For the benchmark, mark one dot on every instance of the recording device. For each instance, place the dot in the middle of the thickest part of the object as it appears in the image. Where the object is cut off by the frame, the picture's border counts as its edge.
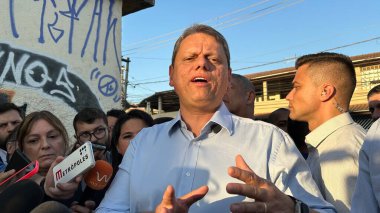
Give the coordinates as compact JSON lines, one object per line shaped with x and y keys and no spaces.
{"x":18,"y":161}
{"x":98,"y":146}
{"x":78,"y":162}
{"x":96,"y":180}
{"x":24,"y":173}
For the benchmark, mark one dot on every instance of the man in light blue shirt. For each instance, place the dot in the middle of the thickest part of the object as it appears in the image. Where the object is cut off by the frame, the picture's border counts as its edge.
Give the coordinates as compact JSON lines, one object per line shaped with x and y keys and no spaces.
{"x":195,"y":152}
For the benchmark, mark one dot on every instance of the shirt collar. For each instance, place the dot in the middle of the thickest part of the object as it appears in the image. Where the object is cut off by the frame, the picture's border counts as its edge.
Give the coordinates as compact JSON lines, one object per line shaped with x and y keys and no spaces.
{"x":221,"y":117}
{"x":317,"y":136}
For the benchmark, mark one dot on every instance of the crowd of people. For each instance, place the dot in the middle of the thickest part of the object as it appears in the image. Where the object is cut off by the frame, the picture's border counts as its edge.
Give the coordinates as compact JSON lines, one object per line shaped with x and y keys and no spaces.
{"x":213,"y":156}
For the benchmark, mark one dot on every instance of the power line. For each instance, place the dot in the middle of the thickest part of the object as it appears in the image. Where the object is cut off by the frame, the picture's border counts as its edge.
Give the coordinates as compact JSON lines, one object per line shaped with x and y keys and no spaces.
{"x":293,"y":58}
{"x":231,"y":22}
{"x":209,"y":20}
{"x":268,"y":63}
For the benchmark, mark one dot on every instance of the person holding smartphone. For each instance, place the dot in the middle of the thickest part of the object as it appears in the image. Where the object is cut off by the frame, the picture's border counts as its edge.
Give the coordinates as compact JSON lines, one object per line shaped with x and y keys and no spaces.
{"x":90,"y":124}
{"x":43,"y":137}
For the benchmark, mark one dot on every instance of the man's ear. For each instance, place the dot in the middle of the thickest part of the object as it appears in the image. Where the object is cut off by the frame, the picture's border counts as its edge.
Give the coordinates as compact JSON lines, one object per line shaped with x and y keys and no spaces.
{"x":171,"y":71}
{"x":251,"y":97}
{"x":327,"y":92}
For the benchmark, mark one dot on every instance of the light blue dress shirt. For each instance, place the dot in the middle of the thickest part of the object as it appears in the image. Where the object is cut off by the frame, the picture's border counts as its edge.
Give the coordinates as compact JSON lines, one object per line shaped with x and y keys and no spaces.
{"x":366,"y":196}
{"x":169,"y":154}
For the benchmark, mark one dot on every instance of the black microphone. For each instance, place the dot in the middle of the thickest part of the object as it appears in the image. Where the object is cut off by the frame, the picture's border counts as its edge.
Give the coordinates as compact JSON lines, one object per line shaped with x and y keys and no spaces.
{"x":22,"y":196}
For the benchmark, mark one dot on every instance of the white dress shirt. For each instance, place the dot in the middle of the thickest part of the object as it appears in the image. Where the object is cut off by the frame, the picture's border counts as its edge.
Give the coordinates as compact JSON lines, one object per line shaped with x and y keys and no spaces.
{"x":338,"y":141}
{"x":366,"y":197}
{"x":169,"y":154}
{"x":315,"y":167}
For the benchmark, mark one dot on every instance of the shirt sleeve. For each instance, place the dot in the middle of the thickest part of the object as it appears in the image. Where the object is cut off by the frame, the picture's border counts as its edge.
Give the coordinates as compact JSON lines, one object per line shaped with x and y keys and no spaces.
{"x":117,"y":197}
{"x":367,"y":189}
{"x":291,"y":174}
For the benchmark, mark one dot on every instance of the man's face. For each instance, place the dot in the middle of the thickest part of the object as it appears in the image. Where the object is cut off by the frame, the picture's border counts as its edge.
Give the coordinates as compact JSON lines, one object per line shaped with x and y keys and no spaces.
{"x":94,"y":132}
{"x":200,"y":73}
{"x":281,"y":120}
{"x":8,"y":122}
{"x":303,"y":98}
{"x":235,"y":98}
{"x":374,"y":105}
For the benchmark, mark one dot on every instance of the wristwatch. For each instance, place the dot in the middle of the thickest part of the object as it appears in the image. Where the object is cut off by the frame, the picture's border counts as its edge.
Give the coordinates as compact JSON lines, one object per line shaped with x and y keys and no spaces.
{"x":299,"y":206}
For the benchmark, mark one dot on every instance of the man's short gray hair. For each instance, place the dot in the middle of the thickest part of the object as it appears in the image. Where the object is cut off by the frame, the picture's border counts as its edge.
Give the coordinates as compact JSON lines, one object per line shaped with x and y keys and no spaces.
{"x":201,"y":28}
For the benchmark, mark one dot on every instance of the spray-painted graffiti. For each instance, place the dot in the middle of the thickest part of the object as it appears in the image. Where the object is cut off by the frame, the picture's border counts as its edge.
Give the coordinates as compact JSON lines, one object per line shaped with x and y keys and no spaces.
{"x":70,"y":10}
{"x":107,"y":84}
{"x":37,"y":71}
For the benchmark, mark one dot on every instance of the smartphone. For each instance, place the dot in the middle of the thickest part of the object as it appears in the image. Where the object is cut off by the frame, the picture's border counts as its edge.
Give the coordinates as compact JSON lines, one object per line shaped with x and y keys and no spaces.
{"x":98,"y":146}
{"x":18,"y":161}
{"x":78,"y":162}
{"x":24,"y":173}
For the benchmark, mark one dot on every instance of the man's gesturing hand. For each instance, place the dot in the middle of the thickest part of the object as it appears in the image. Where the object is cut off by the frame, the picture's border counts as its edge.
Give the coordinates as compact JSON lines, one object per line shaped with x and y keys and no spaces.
{"x":171,"y":204}
{"x":267,"y":197}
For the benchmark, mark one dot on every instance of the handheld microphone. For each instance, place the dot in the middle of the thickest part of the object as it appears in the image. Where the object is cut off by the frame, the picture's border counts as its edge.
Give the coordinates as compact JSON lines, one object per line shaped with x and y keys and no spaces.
{"x":96,"y":180}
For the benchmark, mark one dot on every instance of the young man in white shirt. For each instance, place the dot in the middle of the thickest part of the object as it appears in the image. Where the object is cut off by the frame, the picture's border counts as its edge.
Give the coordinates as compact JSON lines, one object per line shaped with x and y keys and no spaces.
{"x":321,"y":94}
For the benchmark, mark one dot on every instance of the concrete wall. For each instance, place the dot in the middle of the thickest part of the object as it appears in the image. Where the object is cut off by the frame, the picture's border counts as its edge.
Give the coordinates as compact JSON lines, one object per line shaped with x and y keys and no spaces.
{"x":61,"y":55}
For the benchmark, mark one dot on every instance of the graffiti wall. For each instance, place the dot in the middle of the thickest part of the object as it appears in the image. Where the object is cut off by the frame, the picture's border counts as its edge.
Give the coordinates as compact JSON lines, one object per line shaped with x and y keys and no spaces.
{"x":60,"y":56}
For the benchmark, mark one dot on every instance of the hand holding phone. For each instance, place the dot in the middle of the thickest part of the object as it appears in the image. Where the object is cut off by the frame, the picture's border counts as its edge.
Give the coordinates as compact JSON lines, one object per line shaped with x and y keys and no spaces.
{"x":25,"y":173}
{"x":78,"y":162}
{"x":18,"y":161}
{"x":61,"y":191}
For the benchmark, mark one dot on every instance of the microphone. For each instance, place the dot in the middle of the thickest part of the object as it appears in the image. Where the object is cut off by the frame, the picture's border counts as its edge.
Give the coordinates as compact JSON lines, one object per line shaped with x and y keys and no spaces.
{"x":22,"y":196}
{"x":96,"y":180}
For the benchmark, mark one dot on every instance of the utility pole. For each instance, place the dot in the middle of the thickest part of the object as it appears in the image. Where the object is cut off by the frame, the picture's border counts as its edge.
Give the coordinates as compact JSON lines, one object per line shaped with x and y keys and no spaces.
{"x":125,"y":74}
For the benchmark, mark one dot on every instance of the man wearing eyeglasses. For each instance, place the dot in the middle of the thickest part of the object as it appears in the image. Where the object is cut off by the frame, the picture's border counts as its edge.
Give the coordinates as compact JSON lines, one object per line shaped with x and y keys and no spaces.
{"x":90,"y":124}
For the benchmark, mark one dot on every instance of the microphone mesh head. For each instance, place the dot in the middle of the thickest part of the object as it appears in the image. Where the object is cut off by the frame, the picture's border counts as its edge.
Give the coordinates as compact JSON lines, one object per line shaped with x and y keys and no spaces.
{"x":97,"y":178}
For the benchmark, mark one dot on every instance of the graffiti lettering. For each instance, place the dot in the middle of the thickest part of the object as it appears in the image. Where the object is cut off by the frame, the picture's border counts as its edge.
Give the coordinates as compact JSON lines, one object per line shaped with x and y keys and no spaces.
{"x":111,"y":25}
{"x":12,"y":17}
{"x":65,"y":82}
{"x":73,"y":14}
{"x":37,"y":71}
{"x":31,"y":69}
{"x":55,"y":32}
{"x":73,"y":11}
{"x":96,"y":12}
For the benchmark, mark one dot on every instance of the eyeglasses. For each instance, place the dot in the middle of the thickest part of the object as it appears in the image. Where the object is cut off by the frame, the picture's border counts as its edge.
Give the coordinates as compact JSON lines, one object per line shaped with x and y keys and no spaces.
{"x":98,"y":133}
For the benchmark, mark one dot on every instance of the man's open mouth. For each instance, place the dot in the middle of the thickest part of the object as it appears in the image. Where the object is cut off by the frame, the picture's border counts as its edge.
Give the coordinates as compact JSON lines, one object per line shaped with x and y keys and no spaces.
{"x":199,"y":79}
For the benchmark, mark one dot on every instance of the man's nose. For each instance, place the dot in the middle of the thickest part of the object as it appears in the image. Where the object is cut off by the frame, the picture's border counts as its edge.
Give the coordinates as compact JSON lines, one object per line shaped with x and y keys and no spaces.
{"x":203,"y":63}
{"x":289,"y":96}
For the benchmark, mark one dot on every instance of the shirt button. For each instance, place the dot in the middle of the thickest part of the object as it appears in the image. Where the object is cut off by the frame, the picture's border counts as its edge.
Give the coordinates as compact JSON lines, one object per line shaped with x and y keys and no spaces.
{"x":187,"y":174}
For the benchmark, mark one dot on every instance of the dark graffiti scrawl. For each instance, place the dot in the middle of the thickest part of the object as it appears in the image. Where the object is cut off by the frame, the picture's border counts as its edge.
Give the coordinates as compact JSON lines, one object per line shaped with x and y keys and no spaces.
{"x":37,"y":71}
